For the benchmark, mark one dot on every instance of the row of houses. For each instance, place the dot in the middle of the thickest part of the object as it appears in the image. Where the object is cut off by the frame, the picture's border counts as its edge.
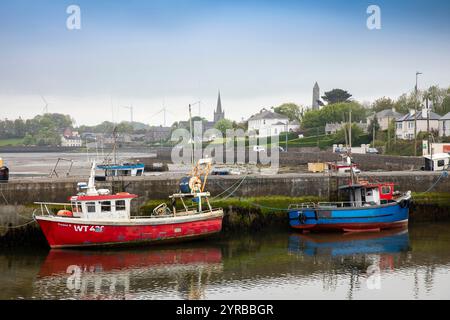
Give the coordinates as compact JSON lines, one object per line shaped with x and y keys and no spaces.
{"x":71,"y":138}
{"x":425,"y":120}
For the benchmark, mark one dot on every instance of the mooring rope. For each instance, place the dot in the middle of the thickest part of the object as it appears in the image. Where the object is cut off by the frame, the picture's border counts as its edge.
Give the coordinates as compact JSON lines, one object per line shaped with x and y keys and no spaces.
{"x":444,"y":174}
{"x":225,"y":190}
{"x":4,"y":198}
{"x":20,"y":225}
{"x":257,"y":205}
{"x":236,"y":189}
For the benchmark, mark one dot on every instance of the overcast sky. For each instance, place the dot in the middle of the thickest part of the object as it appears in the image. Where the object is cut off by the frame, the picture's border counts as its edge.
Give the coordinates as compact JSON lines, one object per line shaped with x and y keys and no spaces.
{"x":151,"y":54}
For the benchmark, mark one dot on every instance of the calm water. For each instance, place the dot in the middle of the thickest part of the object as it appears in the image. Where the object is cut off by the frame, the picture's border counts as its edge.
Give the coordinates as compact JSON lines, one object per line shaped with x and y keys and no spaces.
{"x":402,"y":264}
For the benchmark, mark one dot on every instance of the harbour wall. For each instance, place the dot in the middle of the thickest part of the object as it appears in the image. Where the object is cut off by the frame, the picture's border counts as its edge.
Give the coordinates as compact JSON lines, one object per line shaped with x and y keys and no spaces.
{"x":17,"y":197}
{"x":303,"y":156}
{"x":26,"y":192}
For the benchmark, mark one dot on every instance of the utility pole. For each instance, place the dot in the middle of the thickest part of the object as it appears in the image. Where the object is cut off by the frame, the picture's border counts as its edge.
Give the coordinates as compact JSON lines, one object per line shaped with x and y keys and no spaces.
{"x":428,"y":124}
{"x":389,"y":133}
{"x":350,"y":129}
{"x":373,"y":135}
{"x":415,"y":115}
{"x":287,"y":131}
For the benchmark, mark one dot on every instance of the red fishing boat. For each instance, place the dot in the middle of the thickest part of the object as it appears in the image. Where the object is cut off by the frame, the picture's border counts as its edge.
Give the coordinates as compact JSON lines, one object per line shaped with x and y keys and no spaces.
{"x":97,"y":217}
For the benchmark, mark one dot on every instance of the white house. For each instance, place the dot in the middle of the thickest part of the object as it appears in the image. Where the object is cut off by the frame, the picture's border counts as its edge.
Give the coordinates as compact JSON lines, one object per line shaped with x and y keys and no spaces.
{"x":444,"y":126}
{"x":405,"y":125}
{"x":384,"y":117}
{"x":71,"y":141}
{"x":267,"y":123}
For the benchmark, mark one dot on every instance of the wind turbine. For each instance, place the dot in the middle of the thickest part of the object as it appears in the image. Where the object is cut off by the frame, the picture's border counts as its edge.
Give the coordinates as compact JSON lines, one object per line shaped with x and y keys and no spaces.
{"x":164,"y":111}
{"x":45,"y":110}
{"x":131,"y":111}
{"x":199,"y":107}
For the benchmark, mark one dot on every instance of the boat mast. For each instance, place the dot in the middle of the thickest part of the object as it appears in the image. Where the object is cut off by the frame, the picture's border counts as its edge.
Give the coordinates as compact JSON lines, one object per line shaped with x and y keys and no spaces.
{"x":91,"y":190}
{"x":191,"y":140}
{"x":349,"y":150}
{"x":114,"y":146}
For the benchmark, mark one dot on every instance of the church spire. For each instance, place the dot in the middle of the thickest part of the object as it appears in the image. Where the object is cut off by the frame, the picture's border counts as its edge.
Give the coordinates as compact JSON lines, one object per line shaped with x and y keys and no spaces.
{"x":219,"y":104}
{"x":219,"y":114}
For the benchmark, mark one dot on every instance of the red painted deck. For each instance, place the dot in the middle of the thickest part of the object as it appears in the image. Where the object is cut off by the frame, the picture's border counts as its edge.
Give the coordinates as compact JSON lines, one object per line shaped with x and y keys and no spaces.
{"x":73,"y":234}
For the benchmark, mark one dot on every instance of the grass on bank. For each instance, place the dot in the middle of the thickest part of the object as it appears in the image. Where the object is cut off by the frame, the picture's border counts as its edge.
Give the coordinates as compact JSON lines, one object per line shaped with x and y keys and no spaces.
{"x":11,"y":142}
{"x":441,"y":199}
{"x":270,"y":204}
{"x":264,"y":204}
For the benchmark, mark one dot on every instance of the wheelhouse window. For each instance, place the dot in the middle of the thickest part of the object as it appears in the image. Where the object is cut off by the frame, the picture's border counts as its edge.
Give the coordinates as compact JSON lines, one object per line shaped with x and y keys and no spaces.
{"x":385,"y":190}
{"x":90,"y":206}
{"x":76,"y":207}
{"x":120,"y":205}
{"x":106,"y":206}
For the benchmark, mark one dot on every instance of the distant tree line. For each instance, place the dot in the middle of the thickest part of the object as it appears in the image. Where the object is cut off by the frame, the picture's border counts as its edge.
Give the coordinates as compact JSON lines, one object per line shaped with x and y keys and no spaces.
{"x":41,"y":130}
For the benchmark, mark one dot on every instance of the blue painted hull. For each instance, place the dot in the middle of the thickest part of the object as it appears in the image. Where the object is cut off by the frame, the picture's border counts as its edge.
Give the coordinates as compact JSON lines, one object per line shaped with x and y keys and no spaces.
{"x":350,"y":219}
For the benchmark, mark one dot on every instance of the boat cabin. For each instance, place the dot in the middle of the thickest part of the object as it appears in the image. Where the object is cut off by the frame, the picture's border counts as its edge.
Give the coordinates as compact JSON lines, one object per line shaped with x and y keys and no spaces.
{"x":126,"y":169}
{"x":368,"y":194}
{"x":101,"y":207}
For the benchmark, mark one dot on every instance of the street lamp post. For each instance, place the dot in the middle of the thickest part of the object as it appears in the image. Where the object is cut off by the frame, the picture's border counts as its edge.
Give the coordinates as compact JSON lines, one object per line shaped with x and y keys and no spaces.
{"x":286,"y":135}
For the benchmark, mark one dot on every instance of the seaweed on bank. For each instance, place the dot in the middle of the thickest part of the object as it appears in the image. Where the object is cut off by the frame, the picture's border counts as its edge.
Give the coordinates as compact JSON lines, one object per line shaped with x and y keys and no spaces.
{"x":250,"y":214}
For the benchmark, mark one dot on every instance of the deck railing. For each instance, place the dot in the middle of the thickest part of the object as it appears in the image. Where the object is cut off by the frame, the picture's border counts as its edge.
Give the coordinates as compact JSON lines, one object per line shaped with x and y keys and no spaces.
{"x":333,"y":204}
{"x":45,"y":210}
{"x":304,"y":205}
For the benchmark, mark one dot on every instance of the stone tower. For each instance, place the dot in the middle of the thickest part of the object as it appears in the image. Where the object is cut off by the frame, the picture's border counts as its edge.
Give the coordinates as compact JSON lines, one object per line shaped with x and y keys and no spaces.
{"x":316,"y":97}
{"x":219,"y":114}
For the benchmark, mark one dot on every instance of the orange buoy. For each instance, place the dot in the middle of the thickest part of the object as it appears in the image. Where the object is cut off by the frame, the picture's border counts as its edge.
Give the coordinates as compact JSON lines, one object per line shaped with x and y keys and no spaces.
{"x":64,"y":213}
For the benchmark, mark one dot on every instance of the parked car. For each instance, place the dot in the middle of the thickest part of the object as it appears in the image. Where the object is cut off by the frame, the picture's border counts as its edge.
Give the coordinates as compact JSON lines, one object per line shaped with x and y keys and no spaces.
{"x":258,"y":148}
{"x":341,"y":150}
{"x":373,"y":151}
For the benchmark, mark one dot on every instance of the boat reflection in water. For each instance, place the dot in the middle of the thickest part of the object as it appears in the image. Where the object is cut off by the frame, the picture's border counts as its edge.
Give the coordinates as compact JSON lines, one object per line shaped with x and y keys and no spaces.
{"x":139,"y":274}
{"x":335,"y":244}
{"x":362,"y":256}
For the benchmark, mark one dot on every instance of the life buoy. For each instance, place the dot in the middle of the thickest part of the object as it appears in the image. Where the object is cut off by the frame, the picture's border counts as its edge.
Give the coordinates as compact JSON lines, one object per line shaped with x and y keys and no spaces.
{"x":195,"y":184}
{"x":64,"y":213}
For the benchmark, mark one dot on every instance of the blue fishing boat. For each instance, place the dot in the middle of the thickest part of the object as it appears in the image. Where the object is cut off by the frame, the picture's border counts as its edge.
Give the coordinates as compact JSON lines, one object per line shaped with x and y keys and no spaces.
{"x":125,"y":169}
{"x":367,"y":207}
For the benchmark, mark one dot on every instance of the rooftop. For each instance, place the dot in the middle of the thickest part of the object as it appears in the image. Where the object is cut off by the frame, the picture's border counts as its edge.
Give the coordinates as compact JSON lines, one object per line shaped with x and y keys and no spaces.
{"x":388,"y":113}
{"x":445,"y":117}
{"x":418,"y":116}
{"x":266,"y":114}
